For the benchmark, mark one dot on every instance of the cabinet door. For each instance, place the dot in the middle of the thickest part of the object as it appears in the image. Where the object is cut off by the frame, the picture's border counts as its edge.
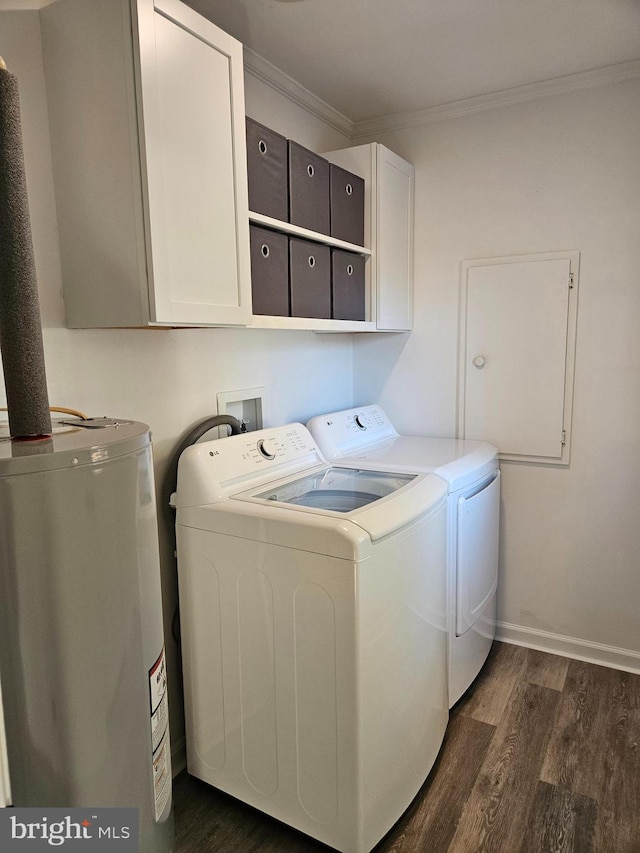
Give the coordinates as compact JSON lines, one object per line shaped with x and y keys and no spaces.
{"x":394,"y":242}
{"x":194,"y":151}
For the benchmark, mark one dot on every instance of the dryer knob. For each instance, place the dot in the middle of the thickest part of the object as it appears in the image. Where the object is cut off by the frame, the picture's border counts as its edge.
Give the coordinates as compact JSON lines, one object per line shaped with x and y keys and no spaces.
{"x":359,"y":422}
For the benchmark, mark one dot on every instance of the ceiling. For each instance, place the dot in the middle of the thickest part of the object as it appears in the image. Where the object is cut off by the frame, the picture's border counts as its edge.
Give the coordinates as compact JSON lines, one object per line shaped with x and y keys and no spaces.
{"x":373,"y":58}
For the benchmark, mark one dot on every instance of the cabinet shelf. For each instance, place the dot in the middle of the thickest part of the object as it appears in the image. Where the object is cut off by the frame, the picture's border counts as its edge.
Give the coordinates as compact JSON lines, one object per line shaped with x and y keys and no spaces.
{"x":305,"y":233}
{"x":313,"y":324}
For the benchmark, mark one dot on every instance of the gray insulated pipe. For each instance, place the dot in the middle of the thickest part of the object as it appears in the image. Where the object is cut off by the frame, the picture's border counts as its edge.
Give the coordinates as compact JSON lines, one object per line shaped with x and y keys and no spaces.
{"x":20,"y":328}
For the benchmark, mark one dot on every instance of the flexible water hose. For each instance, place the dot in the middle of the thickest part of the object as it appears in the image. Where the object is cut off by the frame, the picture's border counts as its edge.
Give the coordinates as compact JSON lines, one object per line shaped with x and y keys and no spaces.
{"x":170,"y":482}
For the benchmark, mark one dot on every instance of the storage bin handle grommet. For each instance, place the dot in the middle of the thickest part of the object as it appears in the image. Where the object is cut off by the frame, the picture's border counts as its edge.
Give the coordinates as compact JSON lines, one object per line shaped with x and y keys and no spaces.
{"x":311,"y":170}
{"x":349,"y":269}
{"x":349,"y":189}
{"x":265,"y":250}
{"x":262,"y":146}
{"x":312,"y":261}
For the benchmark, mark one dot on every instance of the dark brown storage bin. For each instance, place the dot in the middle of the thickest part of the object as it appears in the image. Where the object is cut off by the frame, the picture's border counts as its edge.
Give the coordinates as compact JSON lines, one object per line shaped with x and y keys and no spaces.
{"x":267,"y":171}
{"x":310,"y":278}
{"x":346,"y":194}
{"x":347,"y":285}
{"x":308,"y":189}
{"x":269,"y":272}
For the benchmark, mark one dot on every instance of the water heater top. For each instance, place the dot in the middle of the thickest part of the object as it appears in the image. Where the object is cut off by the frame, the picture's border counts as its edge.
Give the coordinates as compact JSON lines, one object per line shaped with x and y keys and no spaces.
{"x":74,"y":442}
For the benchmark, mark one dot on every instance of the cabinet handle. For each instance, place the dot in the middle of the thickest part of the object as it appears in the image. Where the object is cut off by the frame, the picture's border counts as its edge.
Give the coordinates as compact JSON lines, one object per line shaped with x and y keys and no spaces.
{"x":479,"y":362}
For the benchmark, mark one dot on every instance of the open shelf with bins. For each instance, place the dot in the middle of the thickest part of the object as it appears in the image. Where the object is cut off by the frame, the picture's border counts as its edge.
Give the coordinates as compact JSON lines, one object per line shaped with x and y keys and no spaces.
{"x":266,"y":321}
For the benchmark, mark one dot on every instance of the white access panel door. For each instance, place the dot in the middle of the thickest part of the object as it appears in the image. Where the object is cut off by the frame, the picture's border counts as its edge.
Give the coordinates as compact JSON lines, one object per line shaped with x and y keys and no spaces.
{"x":193,"y":111}
{"x":516,"y":354}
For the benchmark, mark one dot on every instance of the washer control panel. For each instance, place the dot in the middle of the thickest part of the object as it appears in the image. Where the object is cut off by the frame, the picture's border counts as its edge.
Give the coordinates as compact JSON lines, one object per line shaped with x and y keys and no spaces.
{"x":211,"y":470}
{"x":266,"y":447}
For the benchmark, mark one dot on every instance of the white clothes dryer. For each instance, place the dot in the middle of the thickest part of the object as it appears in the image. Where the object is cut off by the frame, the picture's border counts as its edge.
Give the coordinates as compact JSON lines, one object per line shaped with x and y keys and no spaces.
{"x":365,"y":438}
{"x":313,"y":621}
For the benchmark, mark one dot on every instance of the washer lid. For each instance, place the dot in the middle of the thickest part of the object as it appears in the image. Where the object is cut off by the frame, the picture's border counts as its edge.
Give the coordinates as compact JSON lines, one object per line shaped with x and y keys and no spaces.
{"x":326,"y":523}
{"x":337,"y":489}
{"x":378,"y":503}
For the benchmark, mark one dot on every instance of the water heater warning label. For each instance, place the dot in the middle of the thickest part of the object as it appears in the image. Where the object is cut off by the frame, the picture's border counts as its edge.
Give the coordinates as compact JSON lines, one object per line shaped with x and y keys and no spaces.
{"x":160,"y":733}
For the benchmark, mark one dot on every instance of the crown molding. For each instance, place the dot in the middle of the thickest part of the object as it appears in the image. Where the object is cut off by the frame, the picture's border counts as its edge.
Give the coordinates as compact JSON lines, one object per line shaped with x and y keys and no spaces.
{"x":287,"y":86}
{"x":497,"y":100}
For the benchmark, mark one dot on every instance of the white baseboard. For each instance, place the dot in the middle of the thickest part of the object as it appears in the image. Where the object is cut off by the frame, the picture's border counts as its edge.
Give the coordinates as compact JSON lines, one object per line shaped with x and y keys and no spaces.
{"x":570,"y":647}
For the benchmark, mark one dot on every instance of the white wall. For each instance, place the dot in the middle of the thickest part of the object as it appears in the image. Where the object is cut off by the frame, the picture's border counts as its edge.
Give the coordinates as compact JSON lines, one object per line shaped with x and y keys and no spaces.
{"x":166,"y":378}
{"x":561,"y":173}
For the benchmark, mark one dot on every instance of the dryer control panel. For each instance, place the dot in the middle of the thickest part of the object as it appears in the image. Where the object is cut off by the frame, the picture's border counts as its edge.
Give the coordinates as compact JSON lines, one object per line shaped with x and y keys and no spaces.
{"x":340,"y":433}
{"x":212,"y":470}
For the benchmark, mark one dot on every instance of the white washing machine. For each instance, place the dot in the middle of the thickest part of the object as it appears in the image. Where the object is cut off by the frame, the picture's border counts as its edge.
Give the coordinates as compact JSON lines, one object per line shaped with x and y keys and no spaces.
{"x":313,"y":621}
{"x":365,"y":437}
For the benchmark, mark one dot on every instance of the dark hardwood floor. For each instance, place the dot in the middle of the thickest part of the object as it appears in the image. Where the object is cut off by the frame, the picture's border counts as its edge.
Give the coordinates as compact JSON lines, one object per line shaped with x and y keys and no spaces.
{"x":542,"y":755}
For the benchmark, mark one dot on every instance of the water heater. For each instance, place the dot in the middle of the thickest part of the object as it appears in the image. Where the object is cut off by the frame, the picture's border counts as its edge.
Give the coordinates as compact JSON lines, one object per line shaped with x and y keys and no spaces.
{"x":82,"y":663}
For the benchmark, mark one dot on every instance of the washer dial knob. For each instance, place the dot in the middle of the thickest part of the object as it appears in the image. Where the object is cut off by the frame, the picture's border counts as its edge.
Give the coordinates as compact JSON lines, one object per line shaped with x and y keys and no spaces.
{"x":359,"y":424}
{"x":265,"y":450}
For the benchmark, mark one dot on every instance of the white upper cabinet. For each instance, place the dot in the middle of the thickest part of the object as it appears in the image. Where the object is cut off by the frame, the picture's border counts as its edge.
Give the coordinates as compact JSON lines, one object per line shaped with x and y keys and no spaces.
{"x":388,"y":226}
{"x":146,"y":103}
